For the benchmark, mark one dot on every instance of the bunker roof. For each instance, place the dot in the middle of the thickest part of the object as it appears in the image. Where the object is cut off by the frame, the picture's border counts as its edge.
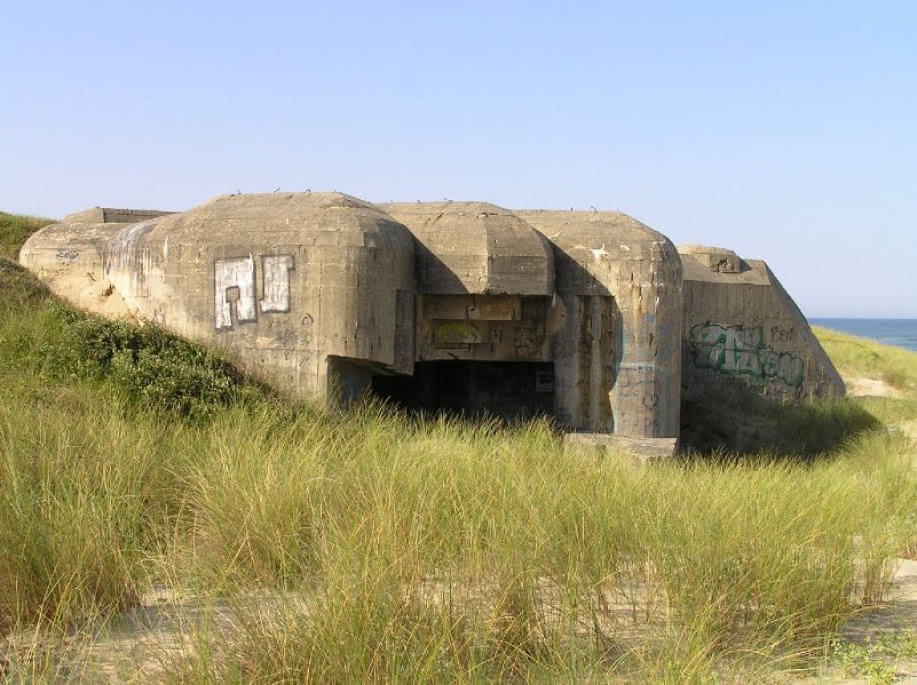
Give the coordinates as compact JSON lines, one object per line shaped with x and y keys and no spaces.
{"x":476,"y":247}
{"x":295,"y":218}
{"x":719,"y":265}
{"x":112,"y":215}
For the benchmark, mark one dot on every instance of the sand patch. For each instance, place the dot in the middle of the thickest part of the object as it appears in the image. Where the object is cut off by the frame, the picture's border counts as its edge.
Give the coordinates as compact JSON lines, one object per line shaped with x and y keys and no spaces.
{"x":90,"y":293}
{"x":155,"y":639}
{"x":909,"y":428}
{"x":897,"y":615}
{"x":862,"y":386}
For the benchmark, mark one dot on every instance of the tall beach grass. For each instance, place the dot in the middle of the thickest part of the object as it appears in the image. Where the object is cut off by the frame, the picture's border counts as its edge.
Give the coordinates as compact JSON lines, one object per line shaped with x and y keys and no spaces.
{"x":370,"y":546}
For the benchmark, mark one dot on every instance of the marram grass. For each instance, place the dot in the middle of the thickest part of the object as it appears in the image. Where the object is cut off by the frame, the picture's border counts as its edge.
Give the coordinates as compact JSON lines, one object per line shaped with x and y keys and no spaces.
{"x":367,"y":546}
{"x":439,"y":550}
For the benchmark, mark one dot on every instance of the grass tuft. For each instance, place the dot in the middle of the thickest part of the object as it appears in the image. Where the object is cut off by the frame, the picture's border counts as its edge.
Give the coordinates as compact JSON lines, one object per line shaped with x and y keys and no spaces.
{"x":14,"y":229}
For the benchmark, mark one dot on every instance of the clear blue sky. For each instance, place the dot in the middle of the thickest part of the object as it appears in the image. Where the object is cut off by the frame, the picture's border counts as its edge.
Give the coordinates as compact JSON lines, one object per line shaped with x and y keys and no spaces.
{"x":783,"y":130}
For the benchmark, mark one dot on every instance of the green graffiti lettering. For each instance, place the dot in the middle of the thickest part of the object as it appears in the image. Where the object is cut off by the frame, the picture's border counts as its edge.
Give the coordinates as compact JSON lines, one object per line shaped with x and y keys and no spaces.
{"x":736,"y":350}
{"x":456,"y":332}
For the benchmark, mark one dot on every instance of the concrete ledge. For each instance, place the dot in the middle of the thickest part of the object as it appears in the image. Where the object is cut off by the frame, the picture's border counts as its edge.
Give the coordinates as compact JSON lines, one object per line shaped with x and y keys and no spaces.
{"x":111,"y":215}
{"x":642,"y":449}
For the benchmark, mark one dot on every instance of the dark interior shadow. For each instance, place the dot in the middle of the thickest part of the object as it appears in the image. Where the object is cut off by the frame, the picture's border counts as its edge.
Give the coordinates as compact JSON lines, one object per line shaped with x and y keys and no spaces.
{"x":506,"y":391}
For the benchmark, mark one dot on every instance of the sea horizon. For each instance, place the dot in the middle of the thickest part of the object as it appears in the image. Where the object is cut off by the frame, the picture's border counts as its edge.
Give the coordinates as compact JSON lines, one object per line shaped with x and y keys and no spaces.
{"x":895,"y":331}
{"x":862,"y":318}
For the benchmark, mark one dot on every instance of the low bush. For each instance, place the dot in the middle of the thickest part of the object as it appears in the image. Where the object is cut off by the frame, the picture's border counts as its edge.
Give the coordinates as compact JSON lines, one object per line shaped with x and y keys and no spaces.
{"x":154,"y":368}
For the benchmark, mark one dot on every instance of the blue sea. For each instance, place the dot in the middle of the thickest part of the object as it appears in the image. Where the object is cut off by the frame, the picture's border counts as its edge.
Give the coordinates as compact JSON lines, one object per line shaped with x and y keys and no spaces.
{"x":897,"y":332}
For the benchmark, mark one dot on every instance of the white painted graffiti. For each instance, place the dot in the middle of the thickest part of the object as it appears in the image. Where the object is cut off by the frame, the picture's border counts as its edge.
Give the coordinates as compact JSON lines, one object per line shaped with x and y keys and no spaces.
{"x":276,"y":270}
{"x":234,"y":284}
{"x":736,"y":350}
{"x":234,"y":275}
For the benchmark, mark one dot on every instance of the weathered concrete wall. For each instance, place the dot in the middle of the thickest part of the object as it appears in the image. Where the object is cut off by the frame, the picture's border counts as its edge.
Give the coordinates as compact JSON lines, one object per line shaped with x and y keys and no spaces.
{"x":597,"y":293}
{"x":67,"y":248}
{"x":67,"y":256}
{"x":282,"y":282}
{"x":484,"y":278}
{"x":592,"y":314}
{"x":484,"y":328}
{"x":617,"y":352}
{"x":485,"y":314}
{"x":744,"y":339}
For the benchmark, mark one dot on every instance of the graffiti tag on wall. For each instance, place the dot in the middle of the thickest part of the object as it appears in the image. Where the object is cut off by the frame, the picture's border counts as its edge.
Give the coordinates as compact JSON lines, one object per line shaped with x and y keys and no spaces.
{"x":234,"y":284}
{"x":736,"y":350}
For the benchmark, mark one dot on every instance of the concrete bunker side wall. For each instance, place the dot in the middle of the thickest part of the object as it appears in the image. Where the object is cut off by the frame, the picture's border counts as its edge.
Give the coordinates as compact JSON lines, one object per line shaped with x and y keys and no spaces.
{"x":281,"y":283}
{"x":746,"y":346}
{"x":742,"y":327}
{"x":617,"y":353}
{"x":69,"y":257}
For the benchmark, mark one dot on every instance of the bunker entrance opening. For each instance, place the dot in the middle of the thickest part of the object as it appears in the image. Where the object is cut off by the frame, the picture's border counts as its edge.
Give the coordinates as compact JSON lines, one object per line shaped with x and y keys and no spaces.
{"x":507,"y":390}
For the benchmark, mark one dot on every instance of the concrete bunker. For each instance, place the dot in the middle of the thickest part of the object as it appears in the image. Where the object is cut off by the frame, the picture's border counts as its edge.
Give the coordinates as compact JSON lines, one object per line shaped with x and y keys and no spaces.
{"x":591,"y":318}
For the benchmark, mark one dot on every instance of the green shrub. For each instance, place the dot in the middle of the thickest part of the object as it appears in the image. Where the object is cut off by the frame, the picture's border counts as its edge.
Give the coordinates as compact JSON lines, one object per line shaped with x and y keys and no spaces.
{"x":154,"y":368}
